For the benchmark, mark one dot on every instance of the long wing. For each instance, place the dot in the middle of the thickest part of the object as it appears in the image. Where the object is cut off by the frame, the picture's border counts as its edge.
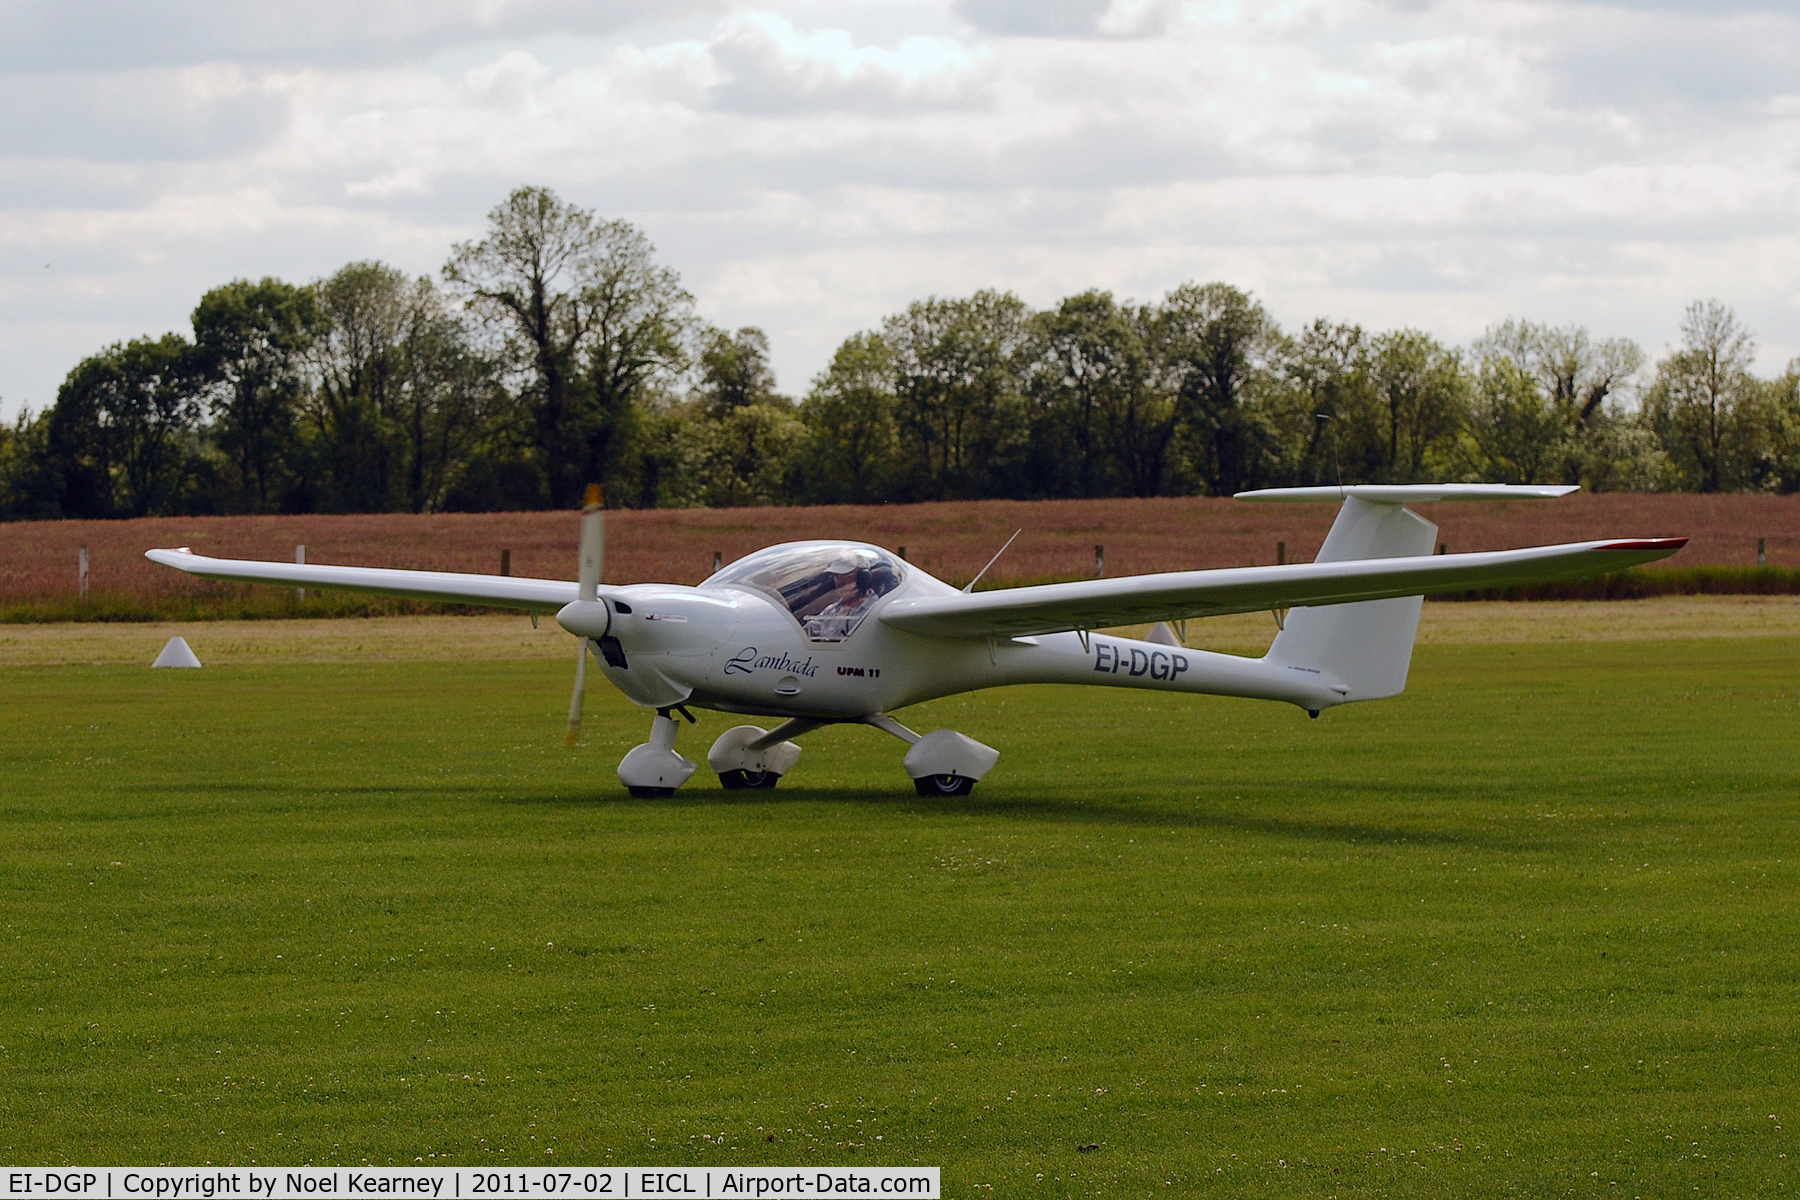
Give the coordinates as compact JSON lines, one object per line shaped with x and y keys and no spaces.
{"x":1138,"y":599}
{"x":505,"y":591}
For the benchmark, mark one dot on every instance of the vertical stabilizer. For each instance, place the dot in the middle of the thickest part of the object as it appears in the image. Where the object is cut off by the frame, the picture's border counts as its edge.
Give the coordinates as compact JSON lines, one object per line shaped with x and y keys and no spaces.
{"x":1363,"y":648}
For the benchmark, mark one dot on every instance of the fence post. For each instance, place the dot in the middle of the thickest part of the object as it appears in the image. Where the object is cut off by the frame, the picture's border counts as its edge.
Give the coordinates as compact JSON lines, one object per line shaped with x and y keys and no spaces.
{"x":506,"y":562}
{"x":81,"y":572}
{"x":718,"y":561}
{"x":1443,"y":547}
{"x":300,"y":557}
{"x":903,"y":554}
{"x":1762,"y":552}
{"x":1281,"y":554}
{"x":1099,"y":562}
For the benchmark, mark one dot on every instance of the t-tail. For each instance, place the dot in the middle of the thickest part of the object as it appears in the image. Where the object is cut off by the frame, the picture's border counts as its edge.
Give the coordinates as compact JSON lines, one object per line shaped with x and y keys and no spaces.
{"x":1364,"y":650}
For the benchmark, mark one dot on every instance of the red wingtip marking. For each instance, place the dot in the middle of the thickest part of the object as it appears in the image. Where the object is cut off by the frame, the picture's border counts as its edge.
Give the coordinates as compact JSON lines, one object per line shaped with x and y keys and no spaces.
{"x":1670,"y":544}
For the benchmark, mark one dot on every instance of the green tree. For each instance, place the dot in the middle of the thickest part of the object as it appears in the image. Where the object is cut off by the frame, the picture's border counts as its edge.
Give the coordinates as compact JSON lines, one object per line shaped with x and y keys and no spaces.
{"x":29,"y":489}
{"x":400,"y":396}
{"x":635,"y":354}
{"x":589,"y":320}
{"x":746,"y":454}
{"x":1517,"y":434}
{"x":249,"y":338}
{"x":852,"y":452}
{"x":1702,"y":404}
{"x":1214,"y":340}
{"x":1576,"y":376}
{"x":1420,"y":393}
{"x":733,"y":369}
{"x":357,"y":383}
{"x":527,"y":279}
{"x":1321,"y":394}
{"x":744,"y":440}
{"x":452,"y":404}
{"x":1779,"y":469}
{"x":1100,"y":427}
{"x":1621,"y":453}
{"x":115,"y":435}
{"x":959,"y":412}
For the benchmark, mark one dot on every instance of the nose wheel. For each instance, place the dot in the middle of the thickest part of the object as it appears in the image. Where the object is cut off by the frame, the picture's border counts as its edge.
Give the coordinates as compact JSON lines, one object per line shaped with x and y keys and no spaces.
{"x":654,"y":770}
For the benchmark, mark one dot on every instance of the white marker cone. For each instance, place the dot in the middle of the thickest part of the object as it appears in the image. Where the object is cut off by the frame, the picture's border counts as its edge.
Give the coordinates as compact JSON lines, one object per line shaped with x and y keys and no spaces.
{"x":176,"y":654}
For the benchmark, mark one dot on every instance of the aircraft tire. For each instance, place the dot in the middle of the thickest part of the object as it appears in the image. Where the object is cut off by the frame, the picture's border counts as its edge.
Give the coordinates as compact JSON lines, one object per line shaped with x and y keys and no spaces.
{"x":747,"y":779}
{"x":943,"y":785}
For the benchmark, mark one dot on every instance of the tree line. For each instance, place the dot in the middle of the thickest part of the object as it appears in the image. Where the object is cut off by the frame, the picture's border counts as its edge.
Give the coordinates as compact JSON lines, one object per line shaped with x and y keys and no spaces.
{"x":555,"y":350}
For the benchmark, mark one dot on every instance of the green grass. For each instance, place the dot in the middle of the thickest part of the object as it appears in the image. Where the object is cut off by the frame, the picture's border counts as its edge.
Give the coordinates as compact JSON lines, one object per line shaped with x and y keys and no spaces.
{"x":1528,"y":928}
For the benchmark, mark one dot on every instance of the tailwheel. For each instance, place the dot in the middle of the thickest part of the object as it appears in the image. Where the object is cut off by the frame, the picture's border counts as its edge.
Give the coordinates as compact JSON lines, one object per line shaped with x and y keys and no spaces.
{"x":747,"y":779}
{"x":944,"y":785}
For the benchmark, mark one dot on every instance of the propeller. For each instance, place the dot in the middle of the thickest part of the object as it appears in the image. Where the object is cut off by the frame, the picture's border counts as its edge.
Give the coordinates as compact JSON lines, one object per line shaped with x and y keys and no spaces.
{"x":592,"y":555}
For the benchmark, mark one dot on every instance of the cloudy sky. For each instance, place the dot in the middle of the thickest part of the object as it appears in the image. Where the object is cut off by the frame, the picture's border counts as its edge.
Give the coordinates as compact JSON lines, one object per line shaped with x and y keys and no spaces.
{"x":810,"y":166}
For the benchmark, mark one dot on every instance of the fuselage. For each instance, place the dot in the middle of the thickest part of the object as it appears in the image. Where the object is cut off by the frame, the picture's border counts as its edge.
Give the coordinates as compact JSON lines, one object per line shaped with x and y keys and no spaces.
{"x":757,"y":649}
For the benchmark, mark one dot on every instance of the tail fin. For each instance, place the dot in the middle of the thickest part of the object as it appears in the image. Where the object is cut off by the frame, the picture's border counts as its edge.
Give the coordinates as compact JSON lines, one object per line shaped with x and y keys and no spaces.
{"x":1362,"y":649}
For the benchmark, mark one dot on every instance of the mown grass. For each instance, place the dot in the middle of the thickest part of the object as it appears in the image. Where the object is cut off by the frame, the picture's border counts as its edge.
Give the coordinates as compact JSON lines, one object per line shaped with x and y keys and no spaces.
{"x":1528,"y":927}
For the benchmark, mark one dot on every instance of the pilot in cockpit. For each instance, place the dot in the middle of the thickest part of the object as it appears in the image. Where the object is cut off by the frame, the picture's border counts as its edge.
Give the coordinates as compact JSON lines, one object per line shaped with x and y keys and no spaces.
{"x":849,"y":601}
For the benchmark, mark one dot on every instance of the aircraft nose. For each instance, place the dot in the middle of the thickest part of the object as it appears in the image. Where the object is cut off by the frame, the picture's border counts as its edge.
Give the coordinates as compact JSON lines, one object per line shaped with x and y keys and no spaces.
{"x":585,"y":618}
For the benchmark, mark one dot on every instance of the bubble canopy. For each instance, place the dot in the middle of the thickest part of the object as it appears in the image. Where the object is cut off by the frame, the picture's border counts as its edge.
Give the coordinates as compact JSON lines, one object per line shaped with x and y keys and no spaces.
{"x":828,"y":586}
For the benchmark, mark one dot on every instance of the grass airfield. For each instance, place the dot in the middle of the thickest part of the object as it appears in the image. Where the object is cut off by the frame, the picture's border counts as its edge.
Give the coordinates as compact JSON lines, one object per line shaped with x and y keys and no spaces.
{"x":1528,"y":928}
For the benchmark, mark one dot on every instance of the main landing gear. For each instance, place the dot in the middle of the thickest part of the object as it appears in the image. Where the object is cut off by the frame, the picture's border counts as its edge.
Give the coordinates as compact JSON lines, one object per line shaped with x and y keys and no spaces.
{"x":941,"y":763}
{"x":745,"y":756}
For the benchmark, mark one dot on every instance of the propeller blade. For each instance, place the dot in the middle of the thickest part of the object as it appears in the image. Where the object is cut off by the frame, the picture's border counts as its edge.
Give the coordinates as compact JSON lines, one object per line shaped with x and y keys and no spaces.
{"x":581,"y":652}
{"x":593,"y":542}
{"x":590,"y":558}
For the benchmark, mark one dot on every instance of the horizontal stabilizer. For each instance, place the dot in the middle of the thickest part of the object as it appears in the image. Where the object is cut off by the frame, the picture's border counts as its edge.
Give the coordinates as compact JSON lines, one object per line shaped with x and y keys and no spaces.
{"x":1411,"y":493}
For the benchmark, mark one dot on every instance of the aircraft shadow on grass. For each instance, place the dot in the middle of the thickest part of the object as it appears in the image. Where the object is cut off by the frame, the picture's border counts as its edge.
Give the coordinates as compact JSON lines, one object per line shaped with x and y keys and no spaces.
{"x":1074,"y":812}
{"x":1045,"y":810}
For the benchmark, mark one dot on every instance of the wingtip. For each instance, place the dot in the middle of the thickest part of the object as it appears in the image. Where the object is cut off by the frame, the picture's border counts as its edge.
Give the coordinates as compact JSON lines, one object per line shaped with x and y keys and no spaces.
{"x":1666,"y":545}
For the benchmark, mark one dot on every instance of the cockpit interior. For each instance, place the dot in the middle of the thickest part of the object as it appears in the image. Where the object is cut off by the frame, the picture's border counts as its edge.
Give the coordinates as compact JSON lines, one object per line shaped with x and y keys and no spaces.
{"x":829,"y":587}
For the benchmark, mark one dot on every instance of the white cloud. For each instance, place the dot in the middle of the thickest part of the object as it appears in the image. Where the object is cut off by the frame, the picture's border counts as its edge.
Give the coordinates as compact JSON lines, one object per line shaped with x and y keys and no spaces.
{"x":768,"y":67}
{"x":811,"y":166}
{"x":103,"y":34}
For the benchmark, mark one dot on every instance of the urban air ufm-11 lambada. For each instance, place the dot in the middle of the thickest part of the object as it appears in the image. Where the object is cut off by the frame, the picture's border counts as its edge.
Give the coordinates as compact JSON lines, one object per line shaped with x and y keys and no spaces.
{"x":808,"y":634}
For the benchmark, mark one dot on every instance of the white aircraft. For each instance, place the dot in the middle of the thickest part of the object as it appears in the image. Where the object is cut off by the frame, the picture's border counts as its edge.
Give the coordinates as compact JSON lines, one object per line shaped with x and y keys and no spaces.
{"x":826,"y":632}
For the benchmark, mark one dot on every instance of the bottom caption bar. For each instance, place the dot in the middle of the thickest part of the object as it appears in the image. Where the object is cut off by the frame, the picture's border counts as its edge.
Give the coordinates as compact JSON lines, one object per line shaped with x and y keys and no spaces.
{"x":451,"y":1183}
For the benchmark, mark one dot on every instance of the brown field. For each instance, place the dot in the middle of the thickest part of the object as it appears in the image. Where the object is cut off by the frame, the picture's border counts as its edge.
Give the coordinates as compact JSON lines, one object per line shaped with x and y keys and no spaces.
{"x":450,"y":639}
{"x":37,"y":559}
{"x":951,"y":540}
